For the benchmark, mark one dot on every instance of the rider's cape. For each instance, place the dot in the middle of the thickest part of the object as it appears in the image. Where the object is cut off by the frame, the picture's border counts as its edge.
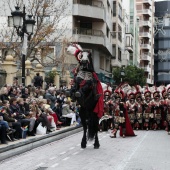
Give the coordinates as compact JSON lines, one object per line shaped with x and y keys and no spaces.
{"x":100,"y":104}
{"x":129,"y":129}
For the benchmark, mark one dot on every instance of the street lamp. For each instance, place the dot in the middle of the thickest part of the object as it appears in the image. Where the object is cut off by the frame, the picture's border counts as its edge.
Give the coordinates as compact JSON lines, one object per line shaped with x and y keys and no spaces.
{"x":122,"y":73}
{"x":24,"y":25}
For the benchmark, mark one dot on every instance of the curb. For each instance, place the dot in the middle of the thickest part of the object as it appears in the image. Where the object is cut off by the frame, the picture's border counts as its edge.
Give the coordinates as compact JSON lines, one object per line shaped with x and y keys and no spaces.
{"x":27,"y":145}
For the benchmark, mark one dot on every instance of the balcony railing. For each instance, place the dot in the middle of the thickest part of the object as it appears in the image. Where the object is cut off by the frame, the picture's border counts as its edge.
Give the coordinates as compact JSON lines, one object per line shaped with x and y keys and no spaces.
{"x":146,"y":56}
{"x":98,"y":4}
{"x":85,"y":31}
{"x":145,"y":23}
{"x":145,"y":46}
{"x":144,"y":34}
{"x":145,"y":11}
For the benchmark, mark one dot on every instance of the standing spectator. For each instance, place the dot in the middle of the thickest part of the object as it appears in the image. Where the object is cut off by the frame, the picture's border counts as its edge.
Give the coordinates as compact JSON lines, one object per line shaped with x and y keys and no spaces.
{"x":50,"y":94}
{"x":15,"y":82}
{"x":38,"y":80}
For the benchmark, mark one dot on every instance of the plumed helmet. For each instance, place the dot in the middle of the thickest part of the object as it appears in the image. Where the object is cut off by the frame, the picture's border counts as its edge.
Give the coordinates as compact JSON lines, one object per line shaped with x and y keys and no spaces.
{"x":138,"y":93}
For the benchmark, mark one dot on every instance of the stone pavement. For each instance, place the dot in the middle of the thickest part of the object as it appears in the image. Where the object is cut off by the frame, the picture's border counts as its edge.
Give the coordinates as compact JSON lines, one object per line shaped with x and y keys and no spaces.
{"x":149,"y":150}
{"x":31,"y":142}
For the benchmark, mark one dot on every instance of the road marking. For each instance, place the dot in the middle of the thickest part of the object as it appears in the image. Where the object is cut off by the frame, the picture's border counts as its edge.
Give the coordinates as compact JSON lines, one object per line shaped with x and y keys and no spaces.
{"x":66,"y":158}
{"x":81,"y":149}
{"x":52,"y":158}
{"x":78,"y":145}
{"x":71,"y":148}
{"x":40,"y":164}
{"x":54,"y":165}
{"x":127,"y":159}
{"x":75,"y":153}
{"x":104,"y":136}
{"x":62,"y":153}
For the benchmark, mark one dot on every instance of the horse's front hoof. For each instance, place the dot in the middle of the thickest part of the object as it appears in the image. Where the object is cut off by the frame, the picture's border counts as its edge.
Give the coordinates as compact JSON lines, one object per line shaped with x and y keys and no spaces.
{"x":83,"y":146}
{"x":96,"y":146}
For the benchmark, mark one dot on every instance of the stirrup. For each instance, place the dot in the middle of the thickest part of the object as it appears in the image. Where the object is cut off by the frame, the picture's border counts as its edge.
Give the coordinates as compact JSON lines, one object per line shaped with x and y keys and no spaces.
{"x":78,"y":94}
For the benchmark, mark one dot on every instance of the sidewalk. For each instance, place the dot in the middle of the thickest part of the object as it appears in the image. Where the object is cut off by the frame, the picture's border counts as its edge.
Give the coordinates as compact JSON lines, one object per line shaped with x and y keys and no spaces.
{"x":24,"y":145}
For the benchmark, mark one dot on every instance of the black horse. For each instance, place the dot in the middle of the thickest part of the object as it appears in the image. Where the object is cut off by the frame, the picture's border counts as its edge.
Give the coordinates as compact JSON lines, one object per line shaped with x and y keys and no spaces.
{"x":85,"y":90}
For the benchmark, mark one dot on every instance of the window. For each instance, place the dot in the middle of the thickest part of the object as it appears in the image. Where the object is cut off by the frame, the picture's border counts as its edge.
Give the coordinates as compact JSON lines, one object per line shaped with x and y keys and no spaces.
{"x":107,"y":65}
{"x":43,"y":19}
{"x":120,"y":33}
{"x":119,"y":54}
{"x":114,"y":30}
{"x":107,"y":32}
{"x":114,"y":51}
{"x":86,"y":25}
{"x":102,"y":62}
{"x":120,"y":12}
{"x":114,"y":8}
{"x":10,"y":21}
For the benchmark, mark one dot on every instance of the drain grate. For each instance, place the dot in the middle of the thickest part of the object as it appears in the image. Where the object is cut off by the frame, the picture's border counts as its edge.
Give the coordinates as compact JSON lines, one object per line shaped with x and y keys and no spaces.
{"x":41,"y":168}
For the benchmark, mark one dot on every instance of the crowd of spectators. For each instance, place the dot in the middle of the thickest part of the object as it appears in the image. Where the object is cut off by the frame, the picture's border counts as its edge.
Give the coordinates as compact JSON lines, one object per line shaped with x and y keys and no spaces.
{"x":31,"y":106}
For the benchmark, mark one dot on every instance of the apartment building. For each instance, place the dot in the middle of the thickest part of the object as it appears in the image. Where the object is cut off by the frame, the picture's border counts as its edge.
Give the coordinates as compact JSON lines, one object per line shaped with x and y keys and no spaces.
{"x":145,"y":12}
{"x":162,"y":45}
{"x":92,"y":29}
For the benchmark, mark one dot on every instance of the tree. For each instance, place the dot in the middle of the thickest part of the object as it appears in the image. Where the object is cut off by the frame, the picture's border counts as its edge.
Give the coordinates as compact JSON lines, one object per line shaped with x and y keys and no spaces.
{"x":51,"y":24}
{"x":133,"y":75}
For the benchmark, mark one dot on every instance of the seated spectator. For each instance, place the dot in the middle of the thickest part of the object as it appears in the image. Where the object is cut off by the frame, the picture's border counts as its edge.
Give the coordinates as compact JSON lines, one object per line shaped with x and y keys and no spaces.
{"x":17,"y":114}
{"x":4,"y":94}
{"x":22,"y":110}
{"x":13,"y":92}
{"x":67,"y":112}
{"x":3,"y":134}
{"x":13,"y":123}
{"x":26,"y":93}
{"x":38,"y":113}
{"x":5,"y":124}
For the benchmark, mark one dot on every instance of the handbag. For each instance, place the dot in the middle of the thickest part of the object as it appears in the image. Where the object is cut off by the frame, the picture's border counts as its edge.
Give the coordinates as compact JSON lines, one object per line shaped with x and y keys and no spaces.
{"x":41,"y":130}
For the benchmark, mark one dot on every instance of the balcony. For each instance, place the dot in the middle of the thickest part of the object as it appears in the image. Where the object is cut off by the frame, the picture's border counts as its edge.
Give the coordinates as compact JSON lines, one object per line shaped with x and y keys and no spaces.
{"x":145,"y":24}
{"x":146,"y":57}
{"x":145,"y":12}
{"x":149,"y":81}
{"x":145,"y":46}
{"x":147,"y":69}
{"x":91,"y":36}
{"x":149,"y":2}
{"x":145,"y":34}
{"x":92,"y":9}
{"x":129,"y":42}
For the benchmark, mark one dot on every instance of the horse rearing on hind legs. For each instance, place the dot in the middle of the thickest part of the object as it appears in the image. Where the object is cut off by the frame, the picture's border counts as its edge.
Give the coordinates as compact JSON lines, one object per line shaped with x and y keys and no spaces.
{"x":87,"y":91}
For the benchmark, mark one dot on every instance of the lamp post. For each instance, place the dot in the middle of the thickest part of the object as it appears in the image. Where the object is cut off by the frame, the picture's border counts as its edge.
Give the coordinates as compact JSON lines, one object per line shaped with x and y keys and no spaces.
{"x":122,"y":73}
{"x":24,"y":26}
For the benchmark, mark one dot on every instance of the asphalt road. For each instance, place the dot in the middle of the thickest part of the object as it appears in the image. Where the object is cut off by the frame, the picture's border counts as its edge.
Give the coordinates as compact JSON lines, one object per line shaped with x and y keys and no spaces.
{"x":149,"y":150}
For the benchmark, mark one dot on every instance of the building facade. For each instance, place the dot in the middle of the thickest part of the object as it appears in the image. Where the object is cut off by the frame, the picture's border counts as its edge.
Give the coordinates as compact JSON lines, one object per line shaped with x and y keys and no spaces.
{"x":162,"y":43}
{"x":145,"y":12}
{"x":91,"y":28}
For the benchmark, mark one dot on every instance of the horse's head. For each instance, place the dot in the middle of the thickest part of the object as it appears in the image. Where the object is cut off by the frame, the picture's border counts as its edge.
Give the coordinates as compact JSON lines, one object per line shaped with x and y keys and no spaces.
{"x":83,"y":57}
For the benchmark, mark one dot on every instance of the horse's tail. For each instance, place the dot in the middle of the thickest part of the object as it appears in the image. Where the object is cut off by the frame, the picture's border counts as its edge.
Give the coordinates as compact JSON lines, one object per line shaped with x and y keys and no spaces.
{"x":93,"y":123}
